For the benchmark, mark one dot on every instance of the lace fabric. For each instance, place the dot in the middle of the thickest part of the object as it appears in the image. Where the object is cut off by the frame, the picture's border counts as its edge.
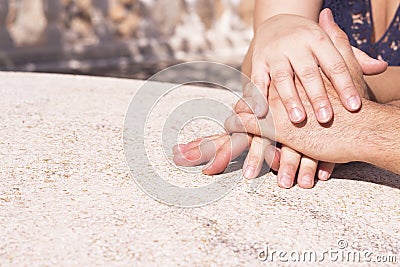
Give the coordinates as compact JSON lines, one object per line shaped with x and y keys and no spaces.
{"x":355,"y":18}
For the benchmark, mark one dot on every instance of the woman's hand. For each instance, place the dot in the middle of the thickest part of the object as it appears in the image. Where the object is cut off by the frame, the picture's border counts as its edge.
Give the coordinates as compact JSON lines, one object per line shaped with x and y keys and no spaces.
{"x":287,"y":45}
{"x":219,"y":150}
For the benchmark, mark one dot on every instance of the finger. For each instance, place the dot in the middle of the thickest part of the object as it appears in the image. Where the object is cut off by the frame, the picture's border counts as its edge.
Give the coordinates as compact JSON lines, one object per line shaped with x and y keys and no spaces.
{"x":325,"y":170}
{"x":202,"y":153}
{"x":289,"y":164}
{"x":182,"y":148}
{"x":228,"y":151}
{"x":242,"y":106}
{"x":333,"y":64}
{"x":246,"y":104}
{"x":369,"y":65}
{"x":260,"y":73}
{"x":310,"y":77}
{"x":254,"y":100}
{"x":248,"y":123}
{"x":307,"y":170}
{"x":282,"y":76}
{"x":255,"y":158}
{"x":272,"y":155}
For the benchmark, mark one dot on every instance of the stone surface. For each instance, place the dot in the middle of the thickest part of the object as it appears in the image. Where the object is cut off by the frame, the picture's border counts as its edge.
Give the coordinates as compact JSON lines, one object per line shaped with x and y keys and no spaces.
{"x":67,"y":196}
{"x":22,"y":29}
{"x":98,"y":33}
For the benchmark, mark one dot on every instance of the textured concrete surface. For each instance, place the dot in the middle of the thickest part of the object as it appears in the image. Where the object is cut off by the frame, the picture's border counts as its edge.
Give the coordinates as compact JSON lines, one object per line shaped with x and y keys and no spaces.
{"x":67,"y":197}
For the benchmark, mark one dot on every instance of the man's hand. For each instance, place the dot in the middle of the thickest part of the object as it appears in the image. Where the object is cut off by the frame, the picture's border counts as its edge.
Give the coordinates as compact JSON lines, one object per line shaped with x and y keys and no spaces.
{"x":311,"y":138}
{"x":370,"y":135}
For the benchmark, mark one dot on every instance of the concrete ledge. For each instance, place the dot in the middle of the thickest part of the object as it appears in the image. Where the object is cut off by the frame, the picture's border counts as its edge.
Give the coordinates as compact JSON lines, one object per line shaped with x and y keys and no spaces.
{"x":67,"y":197}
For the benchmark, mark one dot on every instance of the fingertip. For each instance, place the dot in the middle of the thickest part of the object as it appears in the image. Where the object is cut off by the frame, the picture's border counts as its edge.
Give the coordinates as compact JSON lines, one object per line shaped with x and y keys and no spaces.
{"x":208,"y":170}
{"x":297,"y":115}
{"x":306,"y":181}
{"x":324,"y":115}
{"x":261,"y":110}
{"x":276,"y":161}
{"x":212,"y":169}
{"x":285,"y":180}
{"x":324,"y":175}
{"x":353,"y":103}
{"x":180,"y":160}
{"x":179,"y":148}
{"x":249,"y":172}
{"x":326,"y":15}
{"x":383,"y":61}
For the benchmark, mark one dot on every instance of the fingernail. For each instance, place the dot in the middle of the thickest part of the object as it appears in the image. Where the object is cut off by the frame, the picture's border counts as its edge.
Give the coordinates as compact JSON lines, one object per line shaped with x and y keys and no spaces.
{"x":354,"y":102}
{"x":286,"y":181}
{"x":249,"y":172}
{"x":323,"y":175}
{"x":307,"y":179}
{"x":323,"y":115}
{"x":296,"y":115}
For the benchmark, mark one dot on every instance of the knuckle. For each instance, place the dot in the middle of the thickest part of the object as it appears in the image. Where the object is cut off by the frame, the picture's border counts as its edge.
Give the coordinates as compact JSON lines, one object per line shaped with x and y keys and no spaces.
{"x":289,"y":167}
{"x":289,"y":102}
{"x":338,"y":68}
{"x":318,"y":35}
{"x":254,"y":160}
{"x":320,"y":101}
{"x":348,"y":90}
{"x":258,"y":141}
{"x":259,"y":82}
{"x":340,"y":36}
{"x":308,"y":74}
{"x":280,"y":76}
{"x":307,"y":169}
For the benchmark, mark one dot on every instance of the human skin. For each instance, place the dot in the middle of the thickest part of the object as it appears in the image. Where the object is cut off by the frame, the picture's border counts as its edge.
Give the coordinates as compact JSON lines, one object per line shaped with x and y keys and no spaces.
{"x":350,"y":137}
{"x":382,"y":88}
{"x":224,"y":154}
{"x":276,"y":25}
{"x":292,"y":163}
{"x":267,"y":16}
{"x":313,"y":51}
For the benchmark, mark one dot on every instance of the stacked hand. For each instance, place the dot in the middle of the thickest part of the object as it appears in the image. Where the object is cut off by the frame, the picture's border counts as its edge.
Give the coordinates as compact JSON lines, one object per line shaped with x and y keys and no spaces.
{"x":303,"y":144}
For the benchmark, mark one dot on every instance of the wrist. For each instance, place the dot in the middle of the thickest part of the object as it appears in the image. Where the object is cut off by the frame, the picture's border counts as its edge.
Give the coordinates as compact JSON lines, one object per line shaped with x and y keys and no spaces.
{"x":375,"y":128}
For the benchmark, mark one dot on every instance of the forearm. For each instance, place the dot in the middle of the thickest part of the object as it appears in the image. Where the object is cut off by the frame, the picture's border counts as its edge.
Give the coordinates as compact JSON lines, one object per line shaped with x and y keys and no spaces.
{"x":385,"y":87}
{"x":380,"y":129}
{"x":265,"y":9}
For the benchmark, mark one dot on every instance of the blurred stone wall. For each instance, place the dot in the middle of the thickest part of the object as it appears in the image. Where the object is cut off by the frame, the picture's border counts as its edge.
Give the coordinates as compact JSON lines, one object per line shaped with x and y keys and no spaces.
{"x":90,"y":35}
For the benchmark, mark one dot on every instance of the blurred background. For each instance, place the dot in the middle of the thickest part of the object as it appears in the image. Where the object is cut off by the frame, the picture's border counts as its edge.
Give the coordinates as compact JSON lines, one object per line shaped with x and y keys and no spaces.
{"x":121,"y":38}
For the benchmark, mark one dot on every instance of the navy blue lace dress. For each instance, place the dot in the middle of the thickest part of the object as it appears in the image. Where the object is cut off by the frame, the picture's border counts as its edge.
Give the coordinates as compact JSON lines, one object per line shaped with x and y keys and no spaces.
{"x":355,"y":18}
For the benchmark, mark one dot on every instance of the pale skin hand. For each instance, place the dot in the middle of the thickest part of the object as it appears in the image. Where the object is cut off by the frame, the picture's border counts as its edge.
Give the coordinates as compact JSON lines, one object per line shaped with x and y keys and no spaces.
{"x":290,"y":160}
{"x":300,"y":47}
{"x":352,"y":136}
{"x":186,"y":154}
{"x":274,"y":32}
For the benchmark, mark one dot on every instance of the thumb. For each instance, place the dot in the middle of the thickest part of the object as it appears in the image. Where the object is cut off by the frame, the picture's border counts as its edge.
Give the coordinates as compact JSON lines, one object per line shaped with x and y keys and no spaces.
{"x":369,"y":65}
{"x":337,"y":35}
